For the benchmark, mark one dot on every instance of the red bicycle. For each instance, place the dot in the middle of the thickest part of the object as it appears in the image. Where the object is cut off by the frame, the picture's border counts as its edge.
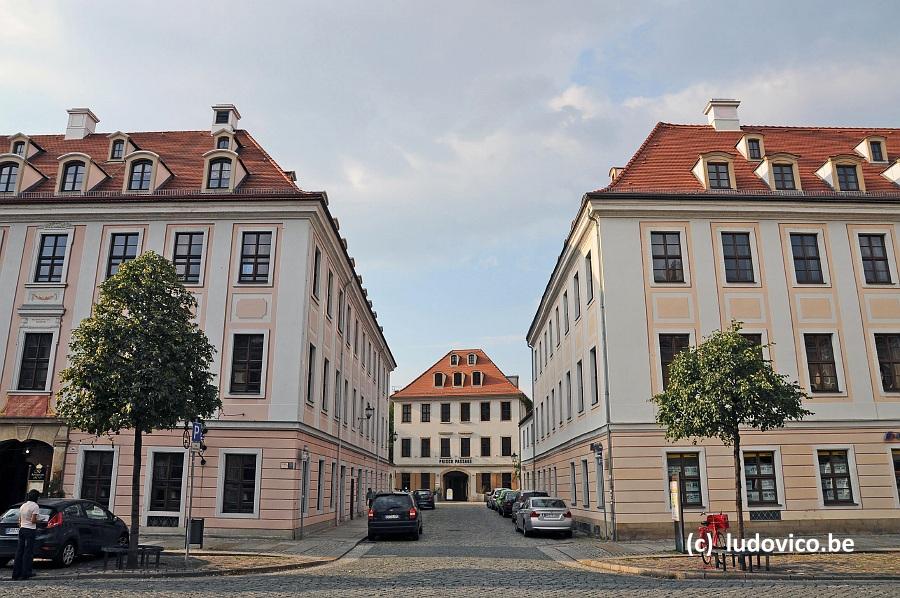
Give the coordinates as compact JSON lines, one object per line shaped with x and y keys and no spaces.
{"x":711,"y":533}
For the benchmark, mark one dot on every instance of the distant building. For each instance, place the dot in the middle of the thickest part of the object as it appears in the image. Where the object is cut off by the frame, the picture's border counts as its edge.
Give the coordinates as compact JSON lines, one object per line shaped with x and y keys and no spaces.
{"x":456,"y":428}
{"x":299,"y":352}
{"x":791,"y":230}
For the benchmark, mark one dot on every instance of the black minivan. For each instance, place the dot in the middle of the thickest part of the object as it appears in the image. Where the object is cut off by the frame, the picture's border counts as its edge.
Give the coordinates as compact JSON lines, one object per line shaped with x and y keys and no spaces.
{"x":67,"y":528}
{"x":394,"y":513}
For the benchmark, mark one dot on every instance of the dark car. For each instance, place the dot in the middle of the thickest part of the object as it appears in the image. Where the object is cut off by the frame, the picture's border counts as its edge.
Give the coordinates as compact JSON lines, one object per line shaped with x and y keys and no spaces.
{"x":523,"y":498}
{"x":424,"y":499}
{"x":67,"y":528}
{"x":504,"y":507}
{"x":394,"y":513}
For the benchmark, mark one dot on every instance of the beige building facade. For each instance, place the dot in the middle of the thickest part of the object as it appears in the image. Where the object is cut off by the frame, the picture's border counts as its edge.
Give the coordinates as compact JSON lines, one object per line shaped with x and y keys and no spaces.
{"x":792,"y":231}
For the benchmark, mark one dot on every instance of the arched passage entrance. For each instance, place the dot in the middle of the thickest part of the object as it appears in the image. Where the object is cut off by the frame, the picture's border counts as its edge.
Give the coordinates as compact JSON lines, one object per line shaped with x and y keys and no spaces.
{"x":23,"y":466}
{"x":458,"y":482}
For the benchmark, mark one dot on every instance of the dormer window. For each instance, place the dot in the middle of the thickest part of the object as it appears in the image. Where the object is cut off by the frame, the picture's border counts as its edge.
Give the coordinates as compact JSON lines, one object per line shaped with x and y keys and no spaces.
{"x":19,"y":148}
{"x":438,"y":380}
{"x":848,"y":180}
{"x":139,"y":179}
{"x":73,"y":177}
{"x":118,"y":149}
{"x":754,"y":152}
{"x":9,"y":173}
{"x":876,"y":151}
{"x":457,"y":379}
{"x":223,"y":142}
{"x":714,"y":170}
{"x":783,"y":176}
{"x":471,"y":359}
{"x":476,"y":378}
{"x":454,"y":359}
{"x":221,"y":117}
{"x":219,"y":174}
{"x":717,"y":173}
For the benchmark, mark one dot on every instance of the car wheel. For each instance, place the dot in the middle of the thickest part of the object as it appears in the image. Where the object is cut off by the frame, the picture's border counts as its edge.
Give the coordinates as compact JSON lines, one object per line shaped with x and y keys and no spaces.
{"x":415,"y":537}
{"x":66,"y":555}
{"x":569,"y":534}
{"x":525,"y":531}
{"x":515,"y":524}
{"x":371,"y":537}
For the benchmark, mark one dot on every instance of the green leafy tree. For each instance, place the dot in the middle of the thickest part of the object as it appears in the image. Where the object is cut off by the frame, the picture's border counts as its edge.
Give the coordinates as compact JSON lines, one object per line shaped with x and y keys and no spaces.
{"x":719,"y":387}
{"x":138,"y":363}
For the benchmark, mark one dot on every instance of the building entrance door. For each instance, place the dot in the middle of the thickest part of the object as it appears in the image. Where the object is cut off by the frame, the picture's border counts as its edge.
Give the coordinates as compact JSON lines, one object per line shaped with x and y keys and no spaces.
{"x":23,"y":466}
{"x":458,"y":482}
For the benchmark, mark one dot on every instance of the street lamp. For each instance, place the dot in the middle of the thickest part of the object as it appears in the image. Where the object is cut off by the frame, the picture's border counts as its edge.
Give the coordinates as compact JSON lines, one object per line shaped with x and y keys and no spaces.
{"x":515,"y":461}
{"x":368,"y":412}
{"x":304,"y":459}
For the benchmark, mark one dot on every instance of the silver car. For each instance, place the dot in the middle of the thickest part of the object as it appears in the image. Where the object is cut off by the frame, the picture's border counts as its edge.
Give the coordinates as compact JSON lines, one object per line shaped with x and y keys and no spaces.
{"x":544,"y":514}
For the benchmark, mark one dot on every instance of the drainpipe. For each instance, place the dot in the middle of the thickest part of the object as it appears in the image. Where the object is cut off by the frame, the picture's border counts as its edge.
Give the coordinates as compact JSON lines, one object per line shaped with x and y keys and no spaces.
{"x":339,"y":503}
{"x":604,"y":352}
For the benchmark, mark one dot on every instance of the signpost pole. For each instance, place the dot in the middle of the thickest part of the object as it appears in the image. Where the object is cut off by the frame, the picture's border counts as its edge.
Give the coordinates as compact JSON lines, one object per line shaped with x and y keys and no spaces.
{"x":187,"y":527}
{"x":677,"y":511}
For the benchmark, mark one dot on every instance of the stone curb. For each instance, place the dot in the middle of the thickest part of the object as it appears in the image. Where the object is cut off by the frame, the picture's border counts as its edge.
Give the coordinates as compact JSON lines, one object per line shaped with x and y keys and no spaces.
{"x":152,"y":573}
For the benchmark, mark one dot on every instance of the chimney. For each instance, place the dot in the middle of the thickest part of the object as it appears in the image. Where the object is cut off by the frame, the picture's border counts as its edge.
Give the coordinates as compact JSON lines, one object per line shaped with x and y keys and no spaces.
{"x":82,"y":123}
{"x":514,"y":380}
{"x":722,"y":114}
{"x":225,"y":116}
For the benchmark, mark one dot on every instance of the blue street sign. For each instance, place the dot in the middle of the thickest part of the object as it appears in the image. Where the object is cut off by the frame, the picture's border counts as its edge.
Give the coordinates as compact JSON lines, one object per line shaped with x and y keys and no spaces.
{"x":197,"y":432}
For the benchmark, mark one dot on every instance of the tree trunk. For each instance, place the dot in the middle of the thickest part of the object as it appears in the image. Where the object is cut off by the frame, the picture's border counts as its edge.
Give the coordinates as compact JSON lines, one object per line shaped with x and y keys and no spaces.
{"x":738,"y":494}
{"x":134,"y":536}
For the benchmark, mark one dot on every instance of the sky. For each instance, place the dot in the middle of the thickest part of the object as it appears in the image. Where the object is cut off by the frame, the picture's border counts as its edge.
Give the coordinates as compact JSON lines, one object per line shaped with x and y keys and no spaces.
{"x":454,"y":139}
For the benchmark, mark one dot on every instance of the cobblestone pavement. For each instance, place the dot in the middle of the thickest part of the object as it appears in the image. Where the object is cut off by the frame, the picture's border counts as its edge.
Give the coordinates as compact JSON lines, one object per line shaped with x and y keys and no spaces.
{"x":466,"y":550}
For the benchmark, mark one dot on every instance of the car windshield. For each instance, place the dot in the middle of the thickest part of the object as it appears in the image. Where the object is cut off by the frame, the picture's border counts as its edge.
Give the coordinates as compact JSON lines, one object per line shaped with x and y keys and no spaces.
{"x":423,"y":492}
{"x":547,"y":503}
{"x":386,"y":503}
{"x":510,"y":496}
{"x":12,"y":515}
{"x":533,"y":494}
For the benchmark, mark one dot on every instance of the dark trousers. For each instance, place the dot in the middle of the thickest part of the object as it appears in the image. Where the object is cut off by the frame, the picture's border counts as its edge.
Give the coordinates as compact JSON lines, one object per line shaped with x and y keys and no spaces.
{"x":24,"y":553}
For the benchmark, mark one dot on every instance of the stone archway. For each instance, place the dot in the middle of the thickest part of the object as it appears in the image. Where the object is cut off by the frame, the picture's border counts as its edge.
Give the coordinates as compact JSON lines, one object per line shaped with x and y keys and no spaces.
{"x":23,"y":466}
{"x":458,"y":482}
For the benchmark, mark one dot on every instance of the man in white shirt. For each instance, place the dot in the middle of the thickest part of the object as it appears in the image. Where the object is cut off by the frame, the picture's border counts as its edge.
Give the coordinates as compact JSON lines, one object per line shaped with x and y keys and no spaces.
{"x":28,"y":518}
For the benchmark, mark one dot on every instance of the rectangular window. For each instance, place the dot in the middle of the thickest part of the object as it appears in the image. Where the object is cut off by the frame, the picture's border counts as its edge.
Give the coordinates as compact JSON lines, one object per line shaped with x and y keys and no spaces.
{"x":506,"y":446}
{"x":485,"y":446}
{"x":595,"y":394}
{"x":426,"y":412}
{"x":665,"y":250}
{"x":759,"y":471}
{"x":247,"y":363}
{"x":553,"y":408}
{"x":573,"y":486}
{"x":888,"y":348}
{"x":340,"y":308}
{"x":188,"y":256}
{"x":895,"y":456}
{"x":566,"y":309}
{"x":333,"y":485}
{"x":320,"y":483}
{"x":569,"y":395}
{"x":405,"y":447}
{"x":406,"y":413}
{"x":753,"y":149}
{"x":834,"y":473}
{"x":51,"y":257}
{"x":821,"y":362}
{"x":585,"y":484}
{"x":311,"y":376}
{"x":738,"y":258}
{"x":873,"y":251}
{"x":579,"y":380}
{"x":877,"y":154}
{"x":601,"y":494}
{"x":326,"y":376}
{"x":847,"y":177}
{"x":337,"y":395}
{"x":688,"y":466}
{"x":485,"y":482}
{"x":35,"y":361}
{"x":506,"y":480}
{"x":256,"y":248}
{"x":425,"y":447}
{"x":96,"y":476}
{"x":807,"y":263}
{"x":445,"y":413}
{"x":239,"y":486}
{"x":329,"y":291}
{"x":576,"y":295}
{"x":718,"y":175}
{"x":671,"y":345}
{"x":465,"y":446}
{"x":505,"y":411}
{"x":445,"y":448}
{"x":122,"y":248}
{"x":317,"y":272}
{"x":426,"y":480}
{"x":784,"y":177}
{"x":558,"y":329}
{"x":550,"y":341}
{"x":465,"y":412}
{"x":485,"y":411}
{"x":165,"y":485}
{"x":404,"y":481}
{"x":477,"y":378}
{"x":589,"y":277}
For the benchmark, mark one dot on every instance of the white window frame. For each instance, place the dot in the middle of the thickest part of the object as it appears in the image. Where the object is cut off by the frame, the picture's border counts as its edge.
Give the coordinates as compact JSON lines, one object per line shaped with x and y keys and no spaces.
{"x":704,"y":481}
{"x":836,"y":348}
{"x":146,"y":512}
{"x":205,"y":231}
{"x":685,"y":261}
{"x":658,"y":357}
{"x":220,"y":482}
{"x":854,"y":477}
{"x":64,"y":276}
{"x":763,"y":335}
{"x":471,"y":359}
{"x":585,"y":485}
{"x":754,"y":255}
{"x":107,"y":245}
{"x":779,"y":478}
{"x":573,"y":502}
{"x":480,"y":378}
{"x":51,"y":364}
{"x":79,"y":470}
{"x":888,"y":232}
{"x":237,"y":246}
{"x":819,"y":231}
{"x":230,"y":354}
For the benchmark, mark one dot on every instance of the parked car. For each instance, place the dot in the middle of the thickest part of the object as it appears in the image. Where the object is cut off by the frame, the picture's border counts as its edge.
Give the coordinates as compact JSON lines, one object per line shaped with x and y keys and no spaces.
{"x":544,"y":514}
{"x":67,"y":528}
{"x":499,"y":498}
{"x":506,"y":502}
{"x":424,"y":499}
{"x":523,"y":498}
{"x":492,"y":501}
{"x":488,"y":496}
{"x":394,"y":513}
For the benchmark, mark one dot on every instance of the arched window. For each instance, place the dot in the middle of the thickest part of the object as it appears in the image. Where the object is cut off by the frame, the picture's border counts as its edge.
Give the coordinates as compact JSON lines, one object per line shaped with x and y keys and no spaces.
{"x":223,"y":142}
{"x":73,"y":177}
{"x":219,"y":174}
{"x":19,"y":148}
{"x":118,"y":149}
{"x":9,"y":172}
{"x":140,"y":175}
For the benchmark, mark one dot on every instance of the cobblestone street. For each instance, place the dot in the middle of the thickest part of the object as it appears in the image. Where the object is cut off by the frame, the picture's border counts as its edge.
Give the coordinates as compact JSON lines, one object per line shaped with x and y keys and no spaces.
{"x":466,"y":550}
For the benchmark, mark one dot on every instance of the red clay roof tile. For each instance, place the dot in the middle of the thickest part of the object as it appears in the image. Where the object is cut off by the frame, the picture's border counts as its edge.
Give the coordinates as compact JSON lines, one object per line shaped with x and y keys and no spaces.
{"x":494,"y":381}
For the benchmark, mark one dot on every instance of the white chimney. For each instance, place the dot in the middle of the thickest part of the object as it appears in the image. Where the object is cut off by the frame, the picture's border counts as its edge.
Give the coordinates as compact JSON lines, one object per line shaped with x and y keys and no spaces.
{"x":722,"y":114}
{"x":82,"y":123}
{"x":225,"y":116}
